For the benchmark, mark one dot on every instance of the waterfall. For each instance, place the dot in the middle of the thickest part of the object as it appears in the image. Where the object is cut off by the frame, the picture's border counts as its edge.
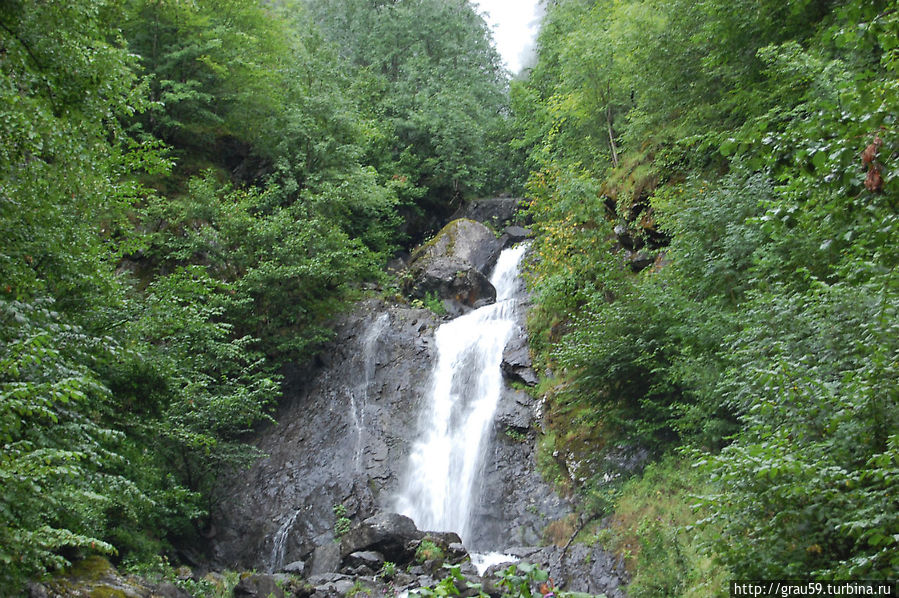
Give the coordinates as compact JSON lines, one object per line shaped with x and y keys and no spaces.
{"x":466,"y":384}
{"x":279,"y":543}
{"x":359,"y":395}
{"x":358,"y":398}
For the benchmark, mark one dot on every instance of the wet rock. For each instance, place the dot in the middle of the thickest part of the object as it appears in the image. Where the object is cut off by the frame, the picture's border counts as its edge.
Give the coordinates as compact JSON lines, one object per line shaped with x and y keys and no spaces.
{"x":516,"y":234}
{"x":295,"y":568}
{"x":332,"y":585}
{"x":368,"y":558}
{"x":456,"y":553}
{"x":386,"y":533}
{"x":460,"y":286}
{"x":344,"y":433}
{"x":517,"y":364}
{"x":514,"y":412}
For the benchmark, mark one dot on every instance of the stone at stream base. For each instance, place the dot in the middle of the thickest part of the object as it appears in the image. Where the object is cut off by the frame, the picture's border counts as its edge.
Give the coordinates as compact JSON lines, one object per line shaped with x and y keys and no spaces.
{"x":386,"y":533}
{"x":371,"y":559}
{"x":295,"y":568}
{"x":326,"y":559}
{"x":258,"y":586}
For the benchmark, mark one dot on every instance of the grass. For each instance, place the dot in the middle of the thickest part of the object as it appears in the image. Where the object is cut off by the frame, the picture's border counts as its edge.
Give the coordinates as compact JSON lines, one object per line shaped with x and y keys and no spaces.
{"x":653,"y":528}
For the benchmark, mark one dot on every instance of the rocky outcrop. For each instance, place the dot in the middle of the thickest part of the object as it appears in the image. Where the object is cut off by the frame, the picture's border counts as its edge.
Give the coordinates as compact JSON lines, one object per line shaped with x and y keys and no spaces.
{"x":517,"y":363}
{"x":453,"y":266}
{"x":343,"y":435}
{"x":387,"y":533}
{"x":495,"y":211}
{"x":95,"y":576}
{"x":579,"y":568}
{"x":515,"y":234}
{"x":318,"y":505}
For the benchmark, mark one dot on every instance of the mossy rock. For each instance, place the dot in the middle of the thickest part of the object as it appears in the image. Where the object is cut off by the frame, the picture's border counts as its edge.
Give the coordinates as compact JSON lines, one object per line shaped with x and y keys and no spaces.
{"x":93,"y":568}
{"x":462,"y":240}
{"x":107,"y":592}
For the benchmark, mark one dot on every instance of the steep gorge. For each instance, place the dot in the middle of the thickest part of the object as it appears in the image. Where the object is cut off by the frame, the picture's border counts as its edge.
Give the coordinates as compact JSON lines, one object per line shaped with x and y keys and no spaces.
{"x":360,"y":434}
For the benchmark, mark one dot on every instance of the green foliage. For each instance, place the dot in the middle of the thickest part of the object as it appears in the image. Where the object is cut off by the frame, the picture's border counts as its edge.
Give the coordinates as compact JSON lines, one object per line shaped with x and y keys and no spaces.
{"x":427,"y":71}
{"x":451,"y":585}
{"x":388,"y":571}
{"x":58,"y":464}
{"x":342,"y":523}
{"x":432,"y":302}
{"x":428,"y":551}
{"x":653,"y":527}
{"x":358,"y":588}
{"x":763,"y":335}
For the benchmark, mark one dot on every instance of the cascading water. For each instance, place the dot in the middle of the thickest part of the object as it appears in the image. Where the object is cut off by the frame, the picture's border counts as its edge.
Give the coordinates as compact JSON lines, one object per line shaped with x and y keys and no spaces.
{"x":279,"y":543}
{"x":359,"y":395}
{"x":466,"y":384}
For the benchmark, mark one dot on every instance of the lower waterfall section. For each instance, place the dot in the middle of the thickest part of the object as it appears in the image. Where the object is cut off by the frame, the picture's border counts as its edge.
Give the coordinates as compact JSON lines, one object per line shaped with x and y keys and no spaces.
{"x":466,"y":384}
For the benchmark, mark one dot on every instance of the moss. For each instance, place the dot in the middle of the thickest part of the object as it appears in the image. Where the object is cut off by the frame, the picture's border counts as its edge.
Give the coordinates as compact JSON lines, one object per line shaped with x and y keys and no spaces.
{"x":447,"y":233}
{"x":92,"y":568}
{"x":560,"y":531}
{"x":107,"y":592}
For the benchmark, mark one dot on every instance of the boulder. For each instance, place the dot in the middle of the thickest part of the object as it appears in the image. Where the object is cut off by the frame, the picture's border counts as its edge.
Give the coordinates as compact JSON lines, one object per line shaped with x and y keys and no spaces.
{"x":386,"y":533}
{"x":258,"y":586}
{"x":453,"y":266}
{"x":333,"y":585}
{"x":326,"y":559}
{"x":464,"y":240}
{"x":516,"y":234}
{"x":460,"y":286}
{"x":367,"y":558}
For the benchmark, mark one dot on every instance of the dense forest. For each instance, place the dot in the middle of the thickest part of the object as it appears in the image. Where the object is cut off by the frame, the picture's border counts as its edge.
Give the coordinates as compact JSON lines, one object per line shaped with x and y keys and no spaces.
{"x":191,"y":191}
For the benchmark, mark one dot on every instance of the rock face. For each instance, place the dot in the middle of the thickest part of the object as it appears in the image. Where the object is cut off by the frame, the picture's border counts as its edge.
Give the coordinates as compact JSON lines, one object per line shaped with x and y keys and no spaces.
{"x":342,"y":439}
{"x":453,"y":266}
{"x":580,"y":568}
{"x":319,"y":504}
{"x":517,"y":362}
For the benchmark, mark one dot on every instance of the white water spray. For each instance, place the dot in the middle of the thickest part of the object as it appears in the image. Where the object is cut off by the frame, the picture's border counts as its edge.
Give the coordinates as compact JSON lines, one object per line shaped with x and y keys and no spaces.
{"x":279,"y":543}
{"x":466,"y":384}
